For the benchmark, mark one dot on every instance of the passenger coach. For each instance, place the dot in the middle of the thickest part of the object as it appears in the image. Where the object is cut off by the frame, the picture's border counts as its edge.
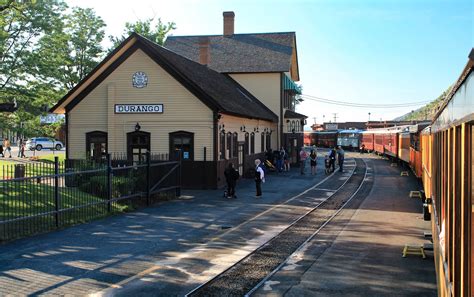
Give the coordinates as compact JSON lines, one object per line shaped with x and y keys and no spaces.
{"x":447,"y":150}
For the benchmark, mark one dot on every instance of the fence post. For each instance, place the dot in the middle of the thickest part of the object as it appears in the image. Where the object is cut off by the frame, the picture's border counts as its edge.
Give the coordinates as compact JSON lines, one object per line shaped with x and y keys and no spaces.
{"x":109,"y":182}
{"x":56,"y":190}
{"x":148,"y":162}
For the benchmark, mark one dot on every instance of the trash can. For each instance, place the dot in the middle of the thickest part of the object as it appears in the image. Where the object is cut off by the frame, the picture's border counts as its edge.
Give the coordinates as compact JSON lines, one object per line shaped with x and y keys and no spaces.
{"x":426,"y":212}
{"x":19,"y":170}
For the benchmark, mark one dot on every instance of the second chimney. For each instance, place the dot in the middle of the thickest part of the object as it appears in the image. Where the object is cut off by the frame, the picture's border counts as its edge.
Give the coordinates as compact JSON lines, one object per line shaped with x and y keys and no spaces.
{"x":204,"y":52}
{"x":228,"y":23}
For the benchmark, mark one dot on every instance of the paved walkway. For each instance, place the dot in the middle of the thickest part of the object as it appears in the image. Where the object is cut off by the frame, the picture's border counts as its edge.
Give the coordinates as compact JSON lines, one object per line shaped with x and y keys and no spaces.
{"x":360,"y":252}
{"x":110,"y":253}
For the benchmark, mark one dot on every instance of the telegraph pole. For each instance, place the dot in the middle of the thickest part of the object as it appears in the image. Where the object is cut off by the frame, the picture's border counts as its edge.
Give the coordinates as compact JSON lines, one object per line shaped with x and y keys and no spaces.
{"x":335,"y":117}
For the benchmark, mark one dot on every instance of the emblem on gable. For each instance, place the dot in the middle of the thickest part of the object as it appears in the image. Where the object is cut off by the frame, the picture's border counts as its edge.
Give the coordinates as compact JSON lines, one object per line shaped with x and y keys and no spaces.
{"x":139,"y":79}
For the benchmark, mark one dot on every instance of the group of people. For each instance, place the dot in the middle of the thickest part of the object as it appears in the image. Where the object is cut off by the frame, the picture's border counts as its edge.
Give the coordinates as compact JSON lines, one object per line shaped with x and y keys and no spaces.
{"x":6,"y":147}
{"x":280,"y":158}
{"x":330,"y":160}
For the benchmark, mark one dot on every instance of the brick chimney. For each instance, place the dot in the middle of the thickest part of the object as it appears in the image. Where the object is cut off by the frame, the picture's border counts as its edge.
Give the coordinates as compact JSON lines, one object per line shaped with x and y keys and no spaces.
{"x":204,"y":51}
{"x":228,"y":23}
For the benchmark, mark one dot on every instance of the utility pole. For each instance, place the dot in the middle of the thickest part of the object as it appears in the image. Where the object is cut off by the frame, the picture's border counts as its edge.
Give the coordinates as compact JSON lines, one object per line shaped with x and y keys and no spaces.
{"x":369,"y":116}
{"x":335,"y":117}
{"x":314,"y":120}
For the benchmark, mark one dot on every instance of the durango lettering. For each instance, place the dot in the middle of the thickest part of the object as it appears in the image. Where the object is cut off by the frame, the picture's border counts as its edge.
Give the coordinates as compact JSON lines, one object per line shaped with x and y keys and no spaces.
{"x":139,"y":108}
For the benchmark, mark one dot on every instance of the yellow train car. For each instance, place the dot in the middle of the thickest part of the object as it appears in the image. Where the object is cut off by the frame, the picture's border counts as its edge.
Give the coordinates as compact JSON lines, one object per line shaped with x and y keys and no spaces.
{"x":447,"y":174}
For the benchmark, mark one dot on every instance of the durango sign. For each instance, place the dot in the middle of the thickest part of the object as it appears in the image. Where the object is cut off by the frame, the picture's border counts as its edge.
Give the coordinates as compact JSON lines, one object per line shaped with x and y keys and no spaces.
{"x":138,"y":108}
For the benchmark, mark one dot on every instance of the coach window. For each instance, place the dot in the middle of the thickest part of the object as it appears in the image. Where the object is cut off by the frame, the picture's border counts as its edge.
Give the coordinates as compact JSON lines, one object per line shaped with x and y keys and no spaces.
{"x":96,"y":145}
{"x":182,"y":142}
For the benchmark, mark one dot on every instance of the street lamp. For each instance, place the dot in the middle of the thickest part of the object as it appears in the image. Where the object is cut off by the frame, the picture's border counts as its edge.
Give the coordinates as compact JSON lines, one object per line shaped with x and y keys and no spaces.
{"x":369,"y":116}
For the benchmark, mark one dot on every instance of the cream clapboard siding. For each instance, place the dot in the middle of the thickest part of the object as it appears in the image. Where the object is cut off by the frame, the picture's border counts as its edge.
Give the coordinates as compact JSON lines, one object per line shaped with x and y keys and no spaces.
{"x":232,"y":124}
{"x":265,"y":86}
{"x":182,"y":111}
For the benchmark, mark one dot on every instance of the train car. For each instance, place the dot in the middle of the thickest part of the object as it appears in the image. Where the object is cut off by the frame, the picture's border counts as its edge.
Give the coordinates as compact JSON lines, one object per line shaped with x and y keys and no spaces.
{"x":368,"y":140}
{"x":349,"y":139}
{"x":390,"y":142}
{"x":326,"y":138}
{"x":404,"y":146}
{"x":447,"y":174}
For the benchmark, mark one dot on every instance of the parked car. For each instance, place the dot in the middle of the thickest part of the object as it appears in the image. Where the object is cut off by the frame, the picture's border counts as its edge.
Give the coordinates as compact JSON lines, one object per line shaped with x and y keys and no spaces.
{"x":39,"y":143}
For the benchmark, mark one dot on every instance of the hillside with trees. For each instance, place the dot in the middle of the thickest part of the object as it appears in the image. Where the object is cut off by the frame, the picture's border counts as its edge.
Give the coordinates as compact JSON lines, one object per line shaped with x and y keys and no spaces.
{"x":426,"y":112}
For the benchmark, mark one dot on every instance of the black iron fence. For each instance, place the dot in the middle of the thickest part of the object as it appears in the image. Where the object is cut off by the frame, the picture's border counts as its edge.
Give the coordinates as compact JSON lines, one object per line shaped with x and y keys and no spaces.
{"x":70,"y":195}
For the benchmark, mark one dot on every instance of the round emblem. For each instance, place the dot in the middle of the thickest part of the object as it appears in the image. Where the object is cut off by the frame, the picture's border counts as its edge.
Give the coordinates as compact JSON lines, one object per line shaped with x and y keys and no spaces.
{"x":139,"y":79}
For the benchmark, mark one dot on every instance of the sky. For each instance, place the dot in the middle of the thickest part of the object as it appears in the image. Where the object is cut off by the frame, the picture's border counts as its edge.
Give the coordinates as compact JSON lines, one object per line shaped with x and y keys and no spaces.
{"x":373,"y":52}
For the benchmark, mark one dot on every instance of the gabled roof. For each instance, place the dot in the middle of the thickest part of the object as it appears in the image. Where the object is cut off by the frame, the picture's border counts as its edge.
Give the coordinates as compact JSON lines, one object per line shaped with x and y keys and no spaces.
{"x":242,"y":53}
{"x":216,"y":90}
{"x":289,"y":114}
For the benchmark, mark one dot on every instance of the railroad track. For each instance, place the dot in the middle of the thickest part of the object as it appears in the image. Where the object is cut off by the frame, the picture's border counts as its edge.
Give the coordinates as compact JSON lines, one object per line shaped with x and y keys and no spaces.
{"x":248,"y":274}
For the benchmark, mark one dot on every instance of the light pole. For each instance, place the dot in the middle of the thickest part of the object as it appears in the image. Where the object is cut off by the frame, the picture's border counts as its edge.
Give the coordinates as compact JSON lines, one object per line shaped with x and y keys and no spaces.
{"x":369,"y":116}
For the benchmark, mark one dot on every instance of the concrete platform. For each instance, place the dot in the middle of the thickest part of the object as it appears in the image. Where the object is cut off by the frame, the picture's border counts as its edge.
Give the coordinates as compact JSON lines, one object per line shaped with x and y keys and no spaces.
{"x":167,"y":249}
{"x":360,"y":252}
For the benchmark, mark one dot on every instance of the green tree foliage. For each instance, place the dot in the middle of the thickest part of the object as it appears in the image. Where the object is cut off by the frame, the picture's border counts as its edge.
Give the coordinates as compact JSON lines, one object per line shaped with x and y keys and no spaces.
{"x":152,"y":28}
{"x":72,"y":49}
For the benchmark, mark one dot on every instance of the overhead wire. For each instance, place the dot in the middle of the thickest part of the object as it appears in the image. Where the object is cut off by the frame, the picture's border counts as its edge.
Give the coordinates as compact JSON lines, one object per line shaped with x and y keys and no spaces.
{"x":362,"y":105}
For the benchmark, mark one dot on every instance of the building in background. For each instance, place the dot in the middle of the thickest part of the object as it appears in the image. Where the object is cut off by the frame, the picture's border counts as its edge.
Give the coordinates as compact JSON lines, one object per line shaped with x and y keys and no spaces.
{"x":266,"y":64}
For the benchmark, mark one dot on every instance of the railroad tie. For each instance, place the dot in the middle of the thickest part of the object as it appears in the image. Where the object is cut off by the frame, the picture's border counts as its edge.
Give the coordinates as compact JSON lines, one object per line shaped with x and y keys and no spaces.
{"x":404,"y":173}
{"x":413,"y":249}
{"x":415,"y":194}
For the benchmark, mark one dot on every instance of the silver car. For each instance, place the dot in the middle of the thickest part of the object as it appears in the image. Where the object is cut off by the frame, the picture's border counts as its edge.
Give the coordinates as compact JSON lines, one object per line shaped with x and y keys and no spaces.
{"x":39,"y":143}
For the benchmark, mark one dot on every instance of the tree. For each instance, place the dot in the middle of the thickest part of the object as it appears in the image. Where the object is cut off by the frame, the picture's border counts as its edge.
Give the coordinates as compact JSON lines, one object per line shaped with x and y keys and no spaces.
{"x":155,"y":32}
{"x":72,"y":50}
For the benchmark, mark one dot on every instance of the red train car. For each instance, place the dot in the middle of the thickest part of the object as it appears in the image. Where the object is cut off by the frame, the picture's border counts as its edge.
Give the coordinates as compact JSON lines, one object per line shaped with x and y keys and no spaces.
{"x":368,"y":141}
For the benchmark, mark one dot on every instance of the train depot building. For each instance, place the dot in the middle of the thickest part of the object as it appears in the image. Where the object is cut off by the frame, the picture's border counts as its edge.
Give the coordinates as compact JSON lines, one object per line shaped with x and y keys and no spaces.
{"x":208,"y":100}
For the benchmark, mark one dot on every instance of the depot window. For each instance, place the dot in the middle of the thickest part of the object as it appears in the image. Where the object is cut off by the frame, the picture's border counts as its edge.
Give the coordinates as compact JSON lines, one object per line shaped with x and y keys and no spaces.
{"x":182,"y":142}
{"x":96,"y":145}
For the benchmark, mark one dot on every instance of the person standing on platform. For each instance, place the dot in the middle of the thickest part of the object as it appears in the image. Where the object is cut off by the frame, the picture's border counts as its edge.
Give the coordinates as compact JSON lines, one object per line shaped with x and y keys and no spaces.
{"x":280,"y":158}
{"x":286,"y":161}
{"x":332,"y":159}
{"x":20,"y":143}
{"x":231,"y":177}
{"x":259,"y":178}
{"x":7,"y":145}
{"x":340,"y":158}
{"x":312,"y":161}
{"x":303,"y":156}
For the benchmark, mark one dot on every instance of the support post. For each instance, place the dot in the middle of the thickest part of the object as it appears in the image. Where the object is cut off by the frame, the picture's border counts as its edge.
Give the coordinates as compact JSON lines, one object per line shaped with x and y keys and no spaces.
{"x":56,"y":190}
{"x":148,"y":165}
{"x":109,"y":182}
{"x":178,"y":172}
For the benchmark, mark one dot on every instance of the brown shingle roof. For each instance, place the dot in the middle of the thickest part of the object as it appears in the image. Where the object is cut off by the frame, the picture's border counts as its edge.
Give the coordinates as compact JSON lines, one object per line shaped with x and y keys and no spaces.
{"x":264,"y":52}
{"x":289,"y":114}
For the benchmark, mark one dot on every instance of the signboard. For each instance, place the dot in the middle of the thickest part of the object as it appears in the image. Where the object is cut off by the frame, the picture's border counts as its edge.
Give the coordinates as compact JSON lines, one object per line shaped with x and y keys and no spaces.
{"x":331,"y":126}
{"x":138,"y":108}
{"x":51,"y":118}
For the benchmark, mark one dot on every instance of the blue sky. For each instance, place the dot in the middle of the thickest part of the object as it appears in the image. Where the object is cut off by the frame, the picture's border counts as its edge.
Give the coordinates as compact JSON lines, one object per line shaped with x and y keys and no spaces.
{"x":355,"y":51}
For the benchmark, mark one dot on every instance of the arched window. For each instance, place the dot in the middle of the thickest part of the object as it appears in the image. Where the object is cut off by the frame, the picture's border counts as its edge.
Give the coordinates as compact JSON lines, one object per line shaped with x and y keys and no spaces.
{"x":235,"y":145}
{"x":182,"y":141}
{"x":138,"y":143}
{"x":246,"y":144}
{"x":96,"y":145}
{"x":229,"y":145}
{"x":252,"y":143}
{"x":269,"y":140}
{"x":222,"y":146}
{"x":262,"y":142}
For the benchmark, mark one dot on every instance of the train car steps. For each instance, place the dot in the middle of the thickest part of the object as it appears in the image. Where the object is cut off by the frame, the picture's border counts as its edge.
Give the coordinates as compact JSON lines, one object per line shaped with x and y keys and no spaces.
{"x":413,"y":249}
{"x":415,"y":194}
